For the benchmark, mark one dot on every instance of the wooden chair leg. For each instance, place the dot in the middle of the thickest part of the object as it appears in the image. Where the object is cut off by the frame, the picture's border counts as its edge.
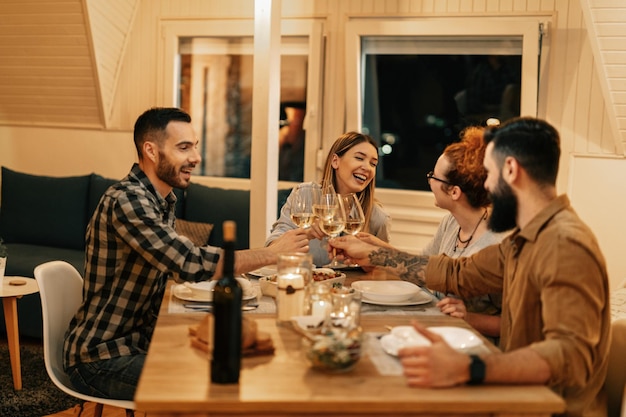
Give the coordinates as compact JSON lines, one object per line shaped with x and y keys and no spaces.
{"x":78,"y":409}
{"x":97,"y":412}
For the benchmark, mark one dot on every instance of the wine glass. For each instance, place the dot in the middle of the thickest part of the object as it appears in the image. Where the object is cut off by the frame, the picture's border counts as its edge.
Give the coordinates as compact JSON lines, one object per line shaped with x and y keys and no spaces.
{"x":331,"y":215}
{"x":355,"y":219}
{"x":305,"y":197}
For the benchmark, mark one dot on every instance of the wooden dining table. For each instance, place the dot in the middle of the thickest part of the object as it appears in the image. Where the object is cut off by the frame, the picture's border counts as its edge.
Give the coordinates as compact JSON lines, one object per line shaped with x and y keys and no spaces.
{"x":175,"y":380}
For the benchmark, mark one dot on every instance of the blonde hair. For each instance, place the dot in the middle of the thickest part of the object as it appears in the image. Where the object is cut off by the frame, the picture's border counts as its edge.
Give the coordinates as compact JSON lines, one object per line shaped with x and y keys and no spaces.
{"x":342,"y":145}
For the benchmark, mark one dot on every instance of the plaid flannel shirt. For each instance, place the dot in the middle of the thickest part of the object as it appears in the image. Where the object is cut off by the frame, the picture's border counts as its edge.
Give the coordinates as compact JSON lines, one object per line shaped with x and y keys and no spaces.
{"x":131,"y":250}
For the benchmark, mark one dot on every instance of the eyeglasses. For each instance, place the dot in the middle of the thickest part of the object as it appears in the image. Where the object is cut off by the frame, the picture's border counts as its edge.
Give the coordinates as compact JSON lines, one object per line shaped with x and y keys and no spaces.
{"x":431,"y":175}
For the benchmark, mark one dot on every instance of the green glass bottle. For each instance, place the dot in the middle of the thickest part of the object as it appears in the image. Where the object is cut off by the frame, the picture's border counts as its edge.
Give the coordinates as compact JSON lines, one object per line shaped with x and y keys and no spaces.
{"x":227,"y":295}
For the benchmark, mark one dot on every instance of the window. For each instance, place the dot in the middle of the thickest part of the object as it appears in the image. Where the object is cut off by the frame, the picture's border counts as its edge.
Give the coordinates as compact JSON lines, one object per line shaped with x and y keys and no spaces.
{"x":212,"y":76}
{"x":422,"y":81}
{"x":216,"y":85}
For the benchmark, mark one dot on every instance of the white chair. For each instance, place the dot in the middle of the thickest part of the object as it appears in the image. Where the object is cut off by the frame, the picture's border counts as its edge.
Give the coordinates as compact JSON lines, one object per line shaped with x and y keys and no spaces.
{"x":615,"y":383}
{"x":61,"y":292}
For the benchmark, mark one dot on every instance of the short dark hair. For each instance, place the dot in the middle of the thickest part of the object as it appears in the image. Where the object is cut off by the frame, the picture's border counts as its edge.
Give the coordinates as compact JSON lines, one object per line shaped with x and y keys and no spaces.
{"x":153,"y":122}
{"x":533,"y":142}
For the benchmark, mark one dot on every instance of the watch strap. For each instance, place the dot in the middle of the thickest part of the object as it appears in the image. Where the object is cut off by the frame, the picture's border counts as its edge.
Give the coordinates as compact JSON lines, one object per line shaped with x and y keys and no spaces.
{"x":477,"y":370}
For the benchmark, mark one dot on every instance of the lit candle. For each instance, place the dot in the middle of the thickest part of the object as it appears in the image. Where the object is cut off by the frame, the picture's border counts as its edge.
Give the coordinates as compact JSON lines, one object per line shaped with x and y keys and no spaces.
{"x":290,"y":297}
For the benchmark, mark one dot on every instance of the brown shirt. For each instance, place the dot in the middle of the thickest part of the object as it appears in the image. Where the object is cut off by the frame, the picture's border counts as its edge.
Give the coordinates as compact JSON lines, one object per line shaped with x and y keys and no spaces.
{"x":555,"y":299}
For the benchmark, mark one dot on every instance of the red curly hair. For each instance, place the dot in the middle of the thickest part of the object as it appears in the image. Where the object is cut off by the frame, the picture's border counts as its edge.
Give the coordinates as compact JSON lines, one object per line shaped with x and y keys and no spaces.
{"x":466,"y":165}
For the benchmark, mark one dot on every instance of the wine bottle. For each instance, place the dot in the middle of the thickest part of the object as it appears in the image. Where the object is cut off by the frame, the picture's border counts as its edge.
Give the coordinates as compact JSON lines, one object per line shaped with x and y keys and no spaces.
{"x":226,"y":360}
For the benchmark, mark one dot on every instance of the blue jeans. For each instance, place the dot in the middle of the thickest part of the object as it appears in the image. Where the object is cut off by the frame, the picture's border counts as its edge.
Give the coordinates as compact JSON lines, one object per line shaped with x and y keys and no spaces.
{"x":115,"y":378}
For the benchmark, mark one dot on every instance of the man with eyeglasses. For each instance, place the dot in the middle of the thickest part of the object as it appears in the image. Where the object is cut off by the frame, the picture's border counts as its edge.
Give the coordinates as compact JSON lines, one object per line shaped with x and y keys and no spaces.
{"x":552,"y":274}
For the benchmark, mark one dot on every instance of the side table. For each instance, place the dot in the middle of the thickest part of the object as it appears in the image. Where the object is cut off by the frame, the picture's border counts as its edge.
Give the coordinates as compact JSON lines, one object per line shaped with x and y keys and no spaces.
{"x":12,"y":289}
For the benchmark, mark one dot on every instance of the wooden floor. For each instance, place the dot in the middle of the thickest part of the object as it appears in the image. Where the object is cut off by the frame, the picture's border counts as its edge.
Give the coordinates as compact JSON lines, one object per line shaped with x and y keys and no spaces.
{"x":88,"y":411}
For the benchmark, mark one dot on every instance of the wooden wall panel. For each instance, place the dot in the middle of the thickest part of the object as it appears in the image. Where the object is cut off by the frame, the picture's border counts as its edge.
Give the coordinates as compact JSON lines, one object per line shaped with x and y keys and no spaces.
{"x":605,"y":22}
{"x":47,"y":75}
{"x":110,"y":24}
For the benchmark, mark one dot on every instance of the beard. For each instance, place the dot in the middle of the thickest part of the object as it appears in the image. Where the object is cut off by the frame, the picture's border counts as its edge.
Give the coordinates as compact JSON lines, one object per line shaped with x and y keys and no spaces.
{"x":169,"y":173}
{"x":504,"y":213}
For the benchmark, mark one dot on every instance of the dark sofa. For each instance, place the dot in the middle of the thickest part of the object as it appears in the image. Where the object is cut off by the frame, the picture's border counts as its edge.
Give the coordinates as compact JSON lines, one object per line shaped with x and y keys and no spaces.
{"x":44,"y":218}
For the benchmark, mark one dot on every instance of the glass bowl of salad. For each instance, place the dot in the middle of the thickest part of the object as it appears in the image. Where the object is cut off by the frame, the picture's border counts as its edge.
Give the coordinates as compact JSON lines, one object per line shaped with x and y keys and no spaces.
{"x":334,"y":349}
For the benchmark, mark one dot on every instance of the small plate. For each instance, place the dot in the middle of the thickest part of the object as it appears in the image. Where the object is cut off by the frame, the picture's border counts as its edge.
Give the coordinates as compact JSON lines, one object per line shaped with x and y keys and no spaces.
{"x":204,"y":293}
{"x":344,"y":267}
{"x":264,"y":271}
{"x":402,"y":336}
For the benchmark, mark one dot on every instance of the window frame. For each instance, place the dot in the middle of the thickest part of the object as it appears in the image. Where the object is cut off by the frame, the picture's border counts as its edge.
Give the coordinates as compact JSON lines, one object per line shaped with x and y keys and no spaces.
{"x":167,"y":91}
{"x":357,"y":28}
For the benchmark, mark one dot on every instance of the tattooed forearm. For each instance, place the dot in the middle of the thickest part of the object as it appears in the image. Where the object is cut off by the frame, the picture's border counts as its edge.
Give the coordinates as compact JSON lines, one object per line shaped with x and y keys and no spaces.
{"x":407,"y":266}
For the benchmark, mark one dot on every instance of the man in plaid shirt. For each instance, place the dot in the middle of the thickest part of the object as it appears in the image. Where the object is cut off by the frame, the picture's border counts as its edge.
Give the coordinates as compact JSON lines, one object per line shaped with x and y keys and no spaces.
{"x":132,"y":249}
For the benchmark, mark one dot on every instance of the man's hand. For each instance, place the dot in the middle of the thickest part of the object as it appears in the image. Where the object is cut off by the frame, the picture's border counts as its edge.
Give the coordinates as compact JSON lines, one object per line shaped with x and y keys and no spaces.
{"x":351,"y":249}
{"x":295,"y":240}
{"x":373,"y":240}
{"x":453,"y":307}
{"x":437,"y":365}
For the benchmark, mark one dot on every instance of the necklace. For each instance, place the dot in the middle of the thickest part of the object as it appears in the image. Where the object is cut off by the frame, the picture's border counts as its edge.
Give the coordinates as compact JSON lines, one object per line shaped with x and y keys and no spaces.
{"x":466,"y":242}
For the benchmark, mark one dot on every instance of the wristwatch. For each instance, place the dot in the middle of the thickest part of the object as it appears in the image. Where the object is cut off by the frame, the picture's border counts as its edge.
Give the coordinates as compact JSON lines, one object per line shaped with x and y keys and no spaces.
{"x":477,"y":370}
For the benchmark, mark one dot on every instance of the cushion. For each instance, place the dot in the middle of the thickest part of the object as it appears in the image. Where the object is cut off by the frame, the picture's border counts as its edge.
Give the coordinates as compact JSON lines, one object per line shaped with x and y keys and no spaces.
{"x":42,"y":210}
{"x":197,"y":232}
{"x":215,"y":205}
{"x":97,"y":186}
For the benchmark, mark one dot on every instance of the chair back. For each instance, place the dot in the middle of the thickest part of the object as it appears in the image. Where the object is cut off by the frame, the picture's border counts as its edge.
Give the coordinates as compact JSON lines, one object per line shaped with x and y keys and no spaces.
{"x":615,"y":383}
{"x":61,"y":292}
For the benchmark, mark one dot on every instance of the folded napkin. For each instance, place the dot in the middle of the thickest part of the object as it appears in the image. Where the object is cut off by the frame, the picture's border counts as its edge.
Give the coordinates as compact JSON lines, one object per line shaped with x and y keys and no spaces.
{"x":253,"y":342}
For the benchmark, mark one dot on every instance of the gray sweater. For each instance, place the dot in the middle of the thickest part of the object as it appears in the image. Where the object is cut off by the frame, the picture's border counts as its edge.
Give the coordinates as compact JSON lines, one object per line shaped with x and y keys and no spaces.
{"x":380,"y":224}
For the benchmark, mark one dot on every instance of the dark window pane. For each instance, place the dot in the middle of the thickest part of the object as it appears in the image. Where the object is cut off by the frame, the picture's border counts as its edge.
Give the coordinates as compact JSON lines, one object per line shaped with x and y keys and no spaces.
{"x":418,"y":104}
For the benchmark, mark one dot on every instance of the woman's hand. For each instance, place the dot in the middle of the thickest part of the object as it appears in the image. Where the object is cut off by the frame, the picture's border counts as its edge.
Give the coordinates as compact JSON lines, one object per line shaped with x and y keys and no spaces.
{"x":453,"y":307}
{"x":315,"y":232}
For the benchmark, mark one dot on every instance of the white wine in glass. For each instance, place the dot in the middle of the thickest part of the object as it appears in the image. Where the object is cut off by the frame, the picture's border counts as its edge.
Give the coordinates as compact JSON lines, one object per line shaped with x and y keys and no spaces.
{"x":332,"y":219}
{"x":305,"y":197}
{"x":355,"y":219}
{"x":354,"y":214}
{"x":353,"y":227}
{"x":303,"y":220}
{"x":332,"y":227}
{"x":323,"y":211}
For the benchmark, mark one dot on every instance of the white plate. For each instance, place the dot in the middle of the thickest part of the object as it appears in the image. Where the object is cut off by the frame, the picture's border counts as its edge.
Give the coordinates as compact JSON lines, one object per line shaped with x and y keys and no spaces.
{"x":386,"y":291}
{"x":401,"y":336}
{"x":422,"y":297}
{"x":264,"y":271}
{"x":202,"y":291}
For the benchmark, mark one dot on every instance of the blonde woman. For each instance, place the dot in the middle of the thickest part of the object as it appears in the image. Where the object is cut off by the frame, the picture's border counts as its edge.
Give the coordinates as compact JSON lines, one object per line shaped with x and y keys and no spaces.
{"x":350,"y":168}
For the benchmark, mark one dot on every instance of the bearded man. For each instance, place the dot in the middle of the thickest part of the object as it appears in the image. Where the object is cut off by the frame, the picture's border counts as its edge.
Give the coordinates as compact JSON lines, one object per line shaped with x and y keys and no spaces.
{"x":133,"y":248}
{"x":555,"y":325}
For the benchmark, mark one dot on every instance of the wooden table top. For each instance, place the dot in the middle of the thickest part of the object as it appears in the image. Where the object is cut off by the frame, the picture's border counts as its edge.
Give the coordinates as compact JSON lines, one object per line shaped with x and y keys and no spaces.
{"x":175,"y":380}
